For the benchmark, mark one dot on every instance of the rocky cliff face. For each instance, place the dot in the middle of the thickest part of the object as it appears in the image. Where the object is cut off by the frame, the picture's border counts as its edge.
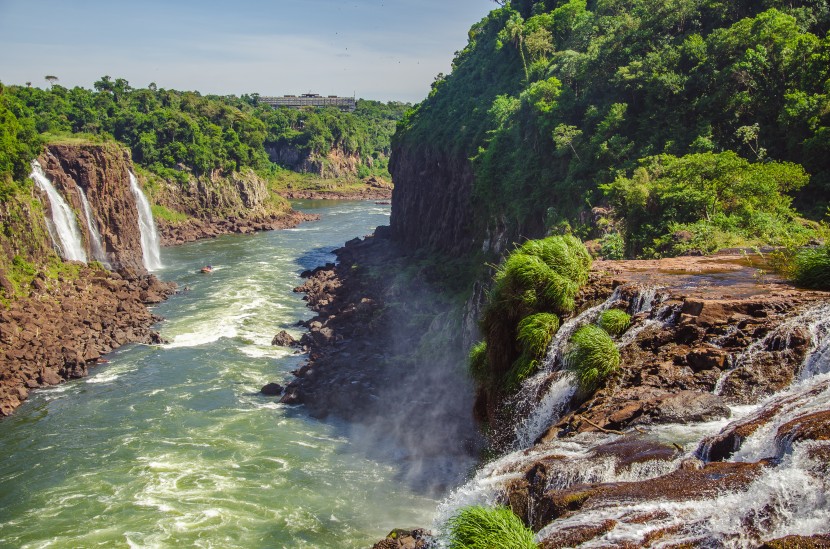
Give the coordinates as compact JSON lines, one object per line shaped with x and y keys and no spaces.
{"x":432,"y":204}
{"x":218,"y":204}
{"x":103,"y":172}
{"x":334,"y":165}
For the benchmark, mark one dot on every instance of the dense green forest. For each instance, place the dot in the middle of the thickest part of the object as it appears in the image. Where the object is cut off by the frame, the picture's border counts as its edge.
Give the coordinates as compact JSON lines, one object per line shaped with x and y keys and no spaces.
{"x":172,"y":132}
{"x":694,"y":124}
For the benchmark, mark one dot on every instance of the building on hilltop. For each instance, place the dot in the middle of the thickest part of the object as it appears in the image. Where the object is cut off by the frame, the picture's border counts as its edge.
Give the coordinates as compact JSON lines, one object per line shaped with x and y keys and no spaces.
{"x":311,"y":100}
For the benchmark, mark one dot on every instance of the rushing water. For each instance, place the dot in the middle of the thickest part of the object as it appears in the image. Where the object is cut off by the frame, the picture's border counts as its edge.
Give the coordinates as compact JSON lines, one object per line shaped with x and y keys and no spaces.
{"x":172,"y":446}
{"x":150,"y":243}
{"x":95,"y":241}
{"x":63,"y":227}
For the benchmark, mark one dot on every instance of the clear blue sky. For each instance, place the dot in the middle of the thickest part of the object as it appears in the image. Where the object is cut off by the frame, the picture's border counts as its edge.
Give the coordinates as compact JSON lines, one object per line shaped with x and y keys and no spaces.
{"x":378,"y":49}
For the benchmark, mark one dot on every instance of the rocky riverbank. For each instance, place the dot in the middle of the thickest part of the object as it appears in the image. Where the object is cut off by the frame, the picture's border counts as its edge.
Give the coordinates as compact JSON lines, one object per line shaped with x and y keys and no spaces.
{"x":194,"y":228}
{"x":385,"y":354}
{"x":64,"y":327}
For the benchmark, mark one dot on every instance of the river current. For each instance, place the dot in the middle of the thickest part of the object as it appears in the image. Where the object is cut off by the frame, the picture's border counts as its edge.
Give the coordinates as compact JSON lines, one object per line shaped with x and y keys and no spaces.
{"x":173,"y":446}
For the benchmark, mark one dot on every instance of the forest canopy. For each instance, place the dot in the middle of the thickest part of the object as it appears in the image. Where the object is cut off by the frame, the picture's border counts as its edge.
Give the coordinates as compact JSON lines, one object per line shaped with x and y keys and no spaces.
{"x":561,"y":105}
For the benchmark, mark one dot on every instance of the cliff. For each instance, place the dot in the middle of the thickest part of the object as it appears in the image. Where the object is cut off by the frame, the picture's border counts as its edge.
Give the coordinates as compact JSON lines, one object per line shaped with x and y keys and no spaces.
{"x":208,"y":206}
{"x":102,"y":171}
{"x":333,"y":165}
{"x":58,"y":318}
{"x":432,"y":203}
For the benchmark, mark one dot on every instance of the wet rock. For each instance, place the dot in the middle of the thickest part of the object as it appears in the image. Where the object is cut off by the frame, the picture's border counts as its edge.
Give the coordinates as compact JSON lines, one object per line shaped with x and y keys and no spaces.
{"x":820,"y":541}
{"x":284,"y":339}
{"x":681,"y":485}
{"x":272,"y":389}
{"x":815,"y":426}
{"x":405,"y":539}
{"x":690,"y":407}
{"x":707,"y":358}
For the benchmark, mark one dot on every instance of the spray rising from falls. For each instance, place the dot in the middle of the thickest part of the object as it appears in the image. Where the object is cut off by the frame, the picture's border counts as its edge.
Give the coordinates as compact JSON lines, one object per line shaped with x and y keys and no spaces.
{"x":150,"y":245}
{"x":63,"y":227}
{"x":95,"y":240}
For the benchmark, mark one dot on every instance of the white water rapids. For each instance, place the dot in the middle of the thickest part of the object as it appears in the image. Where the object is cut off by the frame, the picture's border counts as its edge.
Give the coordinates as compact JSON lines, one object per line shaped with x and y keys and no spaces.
{"x":62,"y":225}
{"x":790,"y":496}
{"x":150,"y":243}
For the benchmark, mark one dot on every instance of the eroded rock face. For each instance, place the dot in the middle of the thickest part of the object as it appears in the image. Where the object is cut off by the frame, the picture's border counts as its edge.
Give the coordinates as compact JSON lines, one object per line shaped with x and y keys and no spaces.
{"x":65,"y":326}
{"x":102,"y":171}
{"x":221,"y":204}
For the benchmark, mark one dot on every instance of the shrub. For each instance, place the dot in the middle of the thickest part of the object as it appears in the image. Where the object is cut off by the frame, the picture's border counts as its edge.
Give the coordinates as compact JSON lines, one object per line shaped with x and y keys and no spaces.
{"x":614,"y":321}
{"x":479,"y":527}
{"x":612,"y":246}
{"x":811,"y":268}
{"x":535,"y":332}
{"x":592,"y":356}
{"x":541,"y":276}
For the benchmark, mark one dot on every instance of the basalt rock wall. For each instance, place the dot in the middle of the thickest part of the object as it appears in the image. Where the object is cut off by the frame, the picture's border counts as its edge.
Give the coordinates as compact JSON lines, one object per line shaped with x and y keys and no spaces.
{"x":431,"y":204}
{"x":103,"y":172}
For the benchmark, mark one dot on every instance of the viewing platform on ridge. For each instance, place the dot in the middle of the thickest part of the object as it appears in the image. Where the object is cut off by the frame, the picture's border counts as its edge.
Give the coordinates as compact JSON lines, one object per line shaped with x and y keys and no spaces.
{"x":311,"y":100}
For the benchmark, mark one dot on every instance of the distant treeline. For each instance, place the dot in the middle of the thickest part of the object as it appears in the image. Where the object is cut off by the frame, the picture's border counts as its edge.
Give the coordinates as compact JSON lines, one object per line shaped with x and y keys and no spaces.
{"x":695,"y":121}
{"x":171,"y":132}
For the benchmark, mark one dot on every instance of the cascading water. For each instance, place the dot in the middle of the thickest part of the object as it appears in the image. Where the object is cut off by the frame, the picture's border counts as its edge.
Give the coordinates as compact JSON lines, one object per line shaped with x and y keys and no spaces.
{"x":150,"y":244}
{"x":786,"y":495}
{"x":95,"y":240}
{"x":63,"y":227}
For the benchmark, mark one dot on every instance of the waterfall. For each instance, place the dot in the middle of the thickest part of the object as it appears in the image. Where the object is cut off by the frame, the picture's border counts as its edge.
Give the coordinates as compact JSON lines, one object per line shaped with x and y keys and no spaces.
{"x":95,"y":241}
{"x":63,"y":227}
{"x":787,"y":496}
{"x":150,"y":247}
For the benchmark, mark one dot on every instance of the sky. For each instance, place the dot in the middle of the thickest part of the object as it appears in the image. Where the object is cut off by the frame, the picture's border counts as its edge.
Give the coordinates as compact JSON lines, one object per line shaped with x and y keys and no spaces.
{"x":388,"y":50}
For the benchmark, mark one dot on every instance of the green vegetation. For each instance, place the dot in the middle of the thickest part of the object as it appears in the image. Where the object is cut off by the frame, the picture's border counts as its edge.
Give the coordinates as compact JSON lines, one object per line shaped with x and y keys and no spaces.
{"x":536,"y":282}
{"x":811,"y":268}
{"x":592,"y":356}
{"x":698,"y":121}
{"x":479,"y":527}
{"x":614,"y":321}
{"x":707,"y":201}
{"x":168,"y":129}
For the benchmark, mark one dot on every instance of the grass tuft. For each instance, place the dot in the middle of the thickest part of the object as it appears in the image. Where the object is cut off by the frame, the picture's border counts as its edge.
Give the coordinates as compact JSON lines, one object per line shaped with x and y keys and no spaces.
{"x":592,"y":356}
{"x":478,"y":361}
{"x":614,"y":321}
{"x":811,"y":268}
{"x":479,"y":527}
{"x":535,"y":332}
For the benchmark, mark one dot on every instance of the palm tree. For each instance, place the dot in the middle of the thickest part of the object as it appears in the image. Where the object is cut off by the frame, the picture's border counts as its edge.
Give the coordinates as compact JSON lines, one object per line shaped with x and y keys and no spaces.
{"x":514,"y":30}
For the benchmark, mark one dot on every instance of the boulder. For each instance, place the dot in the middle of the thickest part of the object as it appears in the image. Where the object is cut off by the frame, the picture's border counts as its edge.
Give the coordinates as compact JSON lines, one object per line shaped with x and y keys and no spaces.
{"x":272,"y":389}
{"x":284,"y":339}
{"x":691,"y":406}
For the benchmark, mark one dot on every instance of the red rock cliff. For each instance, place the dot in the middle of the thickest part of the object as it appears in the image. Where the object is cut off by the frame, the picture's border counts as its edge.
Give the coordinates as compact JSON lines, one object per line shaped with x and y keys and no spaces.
{"x":102,"y":171}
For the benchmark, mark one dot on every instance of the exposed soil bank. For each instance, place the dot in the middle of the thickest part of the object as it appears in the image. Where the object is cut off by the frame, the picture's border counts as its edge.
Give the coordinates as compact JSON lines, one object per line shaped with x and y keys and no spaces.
{"x":65,"y":326}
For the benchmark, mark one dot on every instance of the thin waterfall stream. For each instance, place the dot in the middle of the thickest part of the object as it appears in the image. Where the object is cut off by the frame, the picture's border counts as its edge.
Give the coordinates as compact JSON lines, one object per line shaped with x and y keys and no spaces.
{"x":95,"y":240}
{"x":62,"y":225}
{"x":174,"y":446}
{"x":150,"y":242}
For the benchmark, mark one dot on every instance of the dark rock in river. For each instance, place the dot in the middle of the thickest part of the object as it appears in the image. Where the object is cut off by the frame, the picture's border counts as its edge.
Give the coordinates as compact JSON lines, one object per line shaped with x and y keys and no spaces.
{"x":272,"y":389}
{"x":284,"y":339}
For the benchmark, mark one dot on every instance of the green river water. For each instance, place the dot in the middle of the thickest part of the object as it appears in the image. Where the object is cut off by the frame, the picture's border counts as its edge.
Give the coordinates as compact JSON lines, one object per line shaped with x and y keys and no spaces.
{"x":172,"y":446}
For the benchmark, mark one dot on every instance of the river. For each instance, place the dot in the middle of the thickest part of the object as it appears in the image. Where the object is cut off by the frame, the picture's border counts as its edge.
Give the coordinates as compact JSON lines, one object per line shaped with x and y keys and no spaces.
{"x":173,"y":446}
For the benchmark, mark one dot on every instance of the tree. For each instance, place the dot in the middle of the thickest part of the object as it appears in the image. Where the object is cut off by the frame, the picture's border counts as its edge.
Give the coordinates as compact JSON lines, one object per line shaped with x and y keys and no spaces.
{"x":513,"y":32}
{"x":51,"y":79}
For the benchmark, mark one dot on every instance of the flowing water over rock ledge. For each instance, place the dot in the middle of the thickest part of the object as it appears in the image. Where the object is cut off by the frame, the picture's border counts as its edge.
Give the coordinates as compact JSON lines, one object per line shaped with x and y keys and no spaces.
{"x":715,"y":433}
